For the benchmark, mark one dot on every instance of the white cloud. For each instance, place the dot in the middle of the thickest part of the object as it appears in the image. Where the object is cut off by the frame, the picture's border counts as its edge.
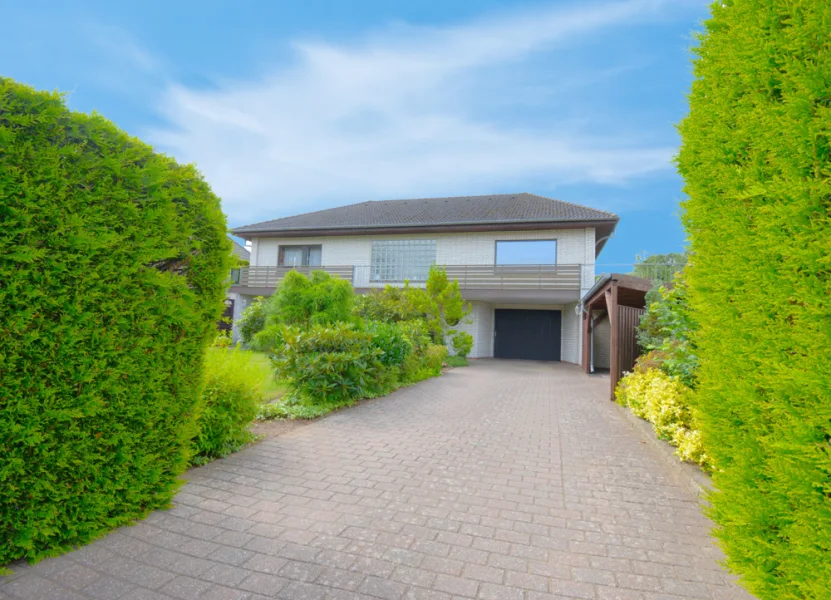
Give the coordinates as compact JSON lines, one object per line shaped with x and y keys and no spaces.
{"x":399,"y":115}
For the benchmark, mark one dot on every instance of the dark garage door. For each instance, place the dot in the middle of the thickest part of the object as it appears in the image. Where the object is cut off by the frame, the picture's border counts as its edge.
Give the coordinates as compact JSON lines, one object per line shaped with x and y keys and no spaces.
{"x":528,"y":334}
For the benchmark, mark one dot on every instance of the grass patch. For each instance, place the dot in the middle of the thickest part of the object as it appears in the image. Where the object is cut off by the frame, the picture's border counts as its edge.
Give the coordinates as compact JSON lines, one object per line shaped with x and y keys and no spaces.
{"x":272,"y":388}
{"x":456,"y":361}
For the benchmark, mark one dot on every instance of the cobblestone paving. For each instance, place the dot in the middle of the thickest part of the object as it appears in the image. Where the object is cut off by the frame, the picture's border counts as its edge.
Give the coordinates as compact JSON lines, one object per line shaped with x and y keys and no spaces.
{"x":502,"y":481}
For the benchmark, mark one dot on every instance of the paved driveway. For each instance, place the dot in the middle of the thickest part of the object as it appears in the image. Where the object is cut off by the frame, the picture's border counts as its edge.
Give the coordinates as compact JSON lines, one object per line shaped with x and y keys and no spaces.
{"x":505,"y":480}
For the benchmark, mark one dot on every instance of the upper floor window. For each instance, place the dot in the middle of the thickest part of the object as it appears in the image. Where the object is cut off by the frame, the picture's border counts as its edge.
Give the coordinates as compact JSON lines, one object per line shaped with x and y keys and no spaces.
{"x":299,"y":256}
{"x":400,"y":260}
{"x":526,"y":252}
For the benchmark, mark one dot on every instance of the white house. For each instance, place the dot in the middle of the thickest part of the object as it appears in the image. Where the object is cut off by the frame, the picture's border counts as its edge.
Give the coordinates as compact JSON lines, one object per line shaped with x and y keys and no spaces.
{"x":523,"y":261}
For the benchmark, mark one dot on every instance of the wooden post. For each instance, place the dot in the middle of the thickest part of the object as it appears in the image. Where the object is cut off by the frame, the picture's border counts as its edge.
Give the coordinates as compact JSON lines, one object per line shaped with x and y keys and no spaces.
{"x":614,"y":325}
{"x":586,"y":316}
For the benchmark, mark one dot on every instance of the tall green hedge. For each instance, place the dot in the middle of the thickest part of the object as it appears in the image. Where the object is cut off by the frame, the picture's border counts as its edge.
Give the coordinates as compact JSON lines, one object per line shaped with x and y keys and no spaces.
{"x":756,"y":157}
{"x":112,"y":267}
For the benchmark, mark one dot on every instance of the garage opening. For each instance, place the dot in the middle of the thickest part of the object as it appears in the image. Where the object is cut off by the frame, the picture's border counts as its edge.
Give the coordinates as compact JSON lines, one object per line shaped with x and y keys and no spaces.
{"x":527,"y":334}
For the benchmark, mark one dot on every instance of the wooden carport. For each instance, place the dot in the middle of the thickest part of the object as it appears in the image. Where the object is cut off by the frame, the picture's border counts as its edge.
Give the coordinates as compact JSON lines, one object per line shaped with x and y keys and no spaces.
{"x":621,"y":299}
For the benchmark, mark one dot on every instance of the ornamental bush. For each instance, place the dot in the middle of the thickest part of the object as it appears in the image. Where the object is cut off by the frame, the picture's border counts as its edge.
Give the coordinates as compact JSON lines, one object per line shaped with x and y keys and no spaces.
{"x":333,"y":364}
{"x":113,"y":262}
{"x":666,"y":330}
{"x":392,"y":304}
{"x":252,"y":320}
{"x":230,"y":402}
{"x":756,"y":158}
{"x":391,"y":340}
{"x":664,"y":401}
{"x":319,"y":299}
{"x":462,"y":343}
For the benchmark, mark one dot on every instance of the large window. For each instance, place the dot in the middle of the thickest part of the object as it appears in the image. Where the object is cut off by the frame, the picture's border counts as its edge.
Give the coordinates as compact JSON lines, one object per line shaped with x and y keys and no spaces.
{"x":401,"y":260}
{"x":300,"y":256}
{"x":526,"y":252}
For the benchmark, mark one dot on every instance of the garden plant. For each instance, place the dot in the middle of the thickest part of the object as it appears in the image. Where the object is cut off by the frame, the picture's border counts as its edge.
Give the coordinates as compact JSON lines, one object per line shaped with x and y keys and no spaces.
{"x":756,"y":160}
{"x":114,"y":265}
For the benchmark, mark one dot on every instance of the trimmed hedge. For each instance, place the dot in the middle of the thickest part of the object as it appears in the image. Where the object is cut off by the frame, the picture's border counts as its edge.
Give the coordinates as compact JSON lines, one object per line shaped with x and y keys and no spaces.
{"x":113,"y":261}
{"x":756,"y":158}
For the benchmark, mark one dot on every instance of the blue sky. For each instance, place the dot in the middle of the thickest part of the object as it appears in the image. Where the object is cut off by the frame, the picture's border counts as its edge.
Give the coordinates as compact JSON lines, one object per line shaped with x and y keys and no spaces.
{"x":288,"y":107}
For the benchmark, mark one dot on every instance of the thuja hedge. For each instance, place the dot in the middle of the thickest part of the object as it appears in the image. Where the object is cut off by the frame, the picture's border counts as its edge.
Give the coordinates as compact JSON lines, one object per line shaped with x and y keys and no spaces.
{"x":756,"y":158}
{"x":112,"y":267}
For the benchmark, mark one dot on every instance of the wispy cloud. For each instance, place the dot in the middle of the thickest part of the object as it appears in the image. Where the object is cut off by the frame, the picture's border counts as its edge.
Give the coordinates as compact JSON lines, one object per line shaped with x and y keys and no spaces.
{"x":402,"y":112}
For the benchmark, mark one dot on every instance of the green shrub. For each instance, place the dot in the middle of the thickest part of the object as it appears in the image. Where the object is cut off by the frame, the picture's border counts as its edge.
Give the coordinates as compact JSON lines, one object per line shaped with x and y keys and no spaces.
{"x":230,"y":401}
{"x":112,"y":274}
{"x":320,"y":299}
{"x":666,"y":330}
{"x":756,"y":158}
{"x":252,"y":320}
{"x":338,"y":363}
{"x":434,"y":357}
{"x":462,"y":343}
{"x":391,"y":305}
{"x":391,"y":340}
{"x":664,"y":401}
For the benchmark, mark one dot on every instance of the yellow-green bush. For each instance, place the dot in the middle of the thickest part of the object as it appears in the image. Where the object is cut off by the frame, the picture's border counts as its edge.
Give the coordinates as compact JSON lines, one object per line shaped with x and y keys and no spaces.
{"x":756,"y":160}
{"x":231,"y":397}
{"x":664,"y":401}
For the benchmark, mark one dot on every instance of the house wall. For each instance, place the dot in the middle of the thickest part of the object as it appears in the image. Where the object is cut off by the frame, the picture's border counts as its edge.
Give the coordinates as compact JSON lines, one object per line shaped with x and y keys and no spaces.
{"x":572,"y":335}
{"x":574,"y":246}
{"x":602,"y":344}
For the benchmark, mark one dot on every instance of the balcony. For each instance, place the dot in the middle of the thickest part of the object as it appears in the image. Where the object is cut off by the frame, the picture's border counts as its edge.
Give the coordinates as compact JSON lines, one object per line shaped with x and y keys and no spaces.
{"x":524,"y":283}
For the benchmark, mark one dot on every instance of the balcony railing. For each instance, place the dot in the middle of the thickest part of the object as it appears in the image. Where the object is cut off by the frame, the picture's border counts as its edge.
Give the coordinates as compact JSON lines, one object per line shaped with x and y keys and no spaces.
{"x":470,"y":277}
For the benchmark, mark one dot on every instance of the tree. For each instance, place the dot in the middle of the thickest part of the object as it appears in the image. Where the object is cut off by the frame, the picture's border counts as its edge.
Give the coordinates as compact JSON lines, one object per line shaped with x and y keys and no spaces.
{"x":442,"y":304}
{"x":660,"y":268}
{"x":756,"y":159}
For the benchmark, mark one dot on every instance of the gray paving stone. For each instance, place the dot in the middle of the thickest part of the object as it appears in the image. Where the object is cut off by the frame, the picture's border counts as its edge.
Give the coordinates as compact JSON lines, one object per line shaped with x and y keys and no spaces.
{"x":505,"y":480}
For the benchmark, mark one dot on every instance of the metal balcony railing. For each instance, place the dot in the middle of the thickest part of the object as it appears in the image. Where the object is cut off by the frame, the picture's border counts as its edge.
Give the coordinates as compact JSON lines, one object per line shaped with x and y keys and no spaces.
{"x":485,"y":277}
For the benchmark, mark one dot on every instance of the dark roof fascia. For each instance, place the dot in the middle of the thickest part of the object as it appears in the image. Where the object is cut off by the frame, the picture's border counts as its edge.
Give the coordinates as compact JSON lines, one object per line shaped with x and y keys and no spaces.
{"x":625,"y":281}
{"x":450,"y":228}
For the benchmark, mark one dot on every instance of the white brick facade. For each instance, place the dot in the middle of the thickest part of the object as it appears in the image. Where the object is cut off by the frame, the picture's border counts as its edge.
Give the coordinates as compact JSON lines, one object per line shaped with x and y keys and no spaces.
{"x":574,"y":247}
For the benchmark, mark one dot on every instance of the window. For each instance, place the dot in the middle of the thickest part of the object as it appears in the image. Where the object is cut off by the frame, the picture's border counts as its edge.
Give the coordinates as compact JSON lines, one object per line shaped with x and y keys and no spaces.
{"x":401,"y":260}
{"x":526,"y":252}
{"x":300,"y":256}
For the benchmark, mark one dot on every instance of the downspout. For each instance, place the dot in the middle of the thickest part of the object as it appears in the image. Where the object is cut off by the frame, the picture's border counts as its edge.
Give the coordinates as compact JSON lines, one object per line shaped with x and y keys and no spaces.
{"x":591,"y":343}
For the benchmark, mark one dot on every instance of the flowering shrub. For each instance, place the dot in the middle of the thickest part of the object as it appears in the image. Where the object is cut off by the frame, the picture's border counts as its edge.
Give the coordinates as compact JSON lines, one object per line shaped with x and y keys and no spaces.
{"x":664,"y":401}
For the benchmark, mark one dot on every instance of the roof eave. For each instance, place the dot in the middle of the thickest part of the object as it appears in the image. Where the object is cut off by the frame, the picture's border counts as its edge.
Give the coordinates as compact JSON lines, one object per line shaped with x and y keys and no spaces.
{"x":609,"y":223}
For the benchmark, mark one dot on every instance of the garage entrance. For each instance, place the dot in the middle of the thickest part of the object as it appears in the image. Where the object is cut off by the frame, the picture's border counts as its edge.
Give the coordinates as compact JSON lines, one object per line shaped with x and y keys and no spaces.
{"x":527,"y":334}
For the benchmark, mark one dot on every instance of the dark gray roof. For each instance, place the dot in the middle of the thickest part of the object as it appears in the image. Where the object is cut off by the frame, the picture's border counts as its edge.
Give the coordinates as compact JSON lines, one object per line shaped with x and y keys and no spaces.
{"x":240,"y":251}
{"x":495,"y":209}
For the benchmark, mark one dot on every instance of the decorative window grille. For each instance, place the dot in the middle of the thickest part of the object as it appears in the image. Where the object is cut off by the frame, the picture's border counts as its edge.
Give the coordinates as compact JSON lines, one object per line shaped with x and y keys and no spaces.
{"x":402,"y":260}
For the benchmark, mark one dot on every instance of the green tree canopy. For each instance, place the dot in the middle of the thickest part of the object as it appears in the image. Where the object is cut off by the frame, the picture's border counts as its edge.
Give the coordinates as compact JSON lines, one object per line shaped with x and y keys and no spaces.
{"x":320,"y":299}
{"x":756,"y":159}
{"x":442,"y":304}
{"x":660,"y":268}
